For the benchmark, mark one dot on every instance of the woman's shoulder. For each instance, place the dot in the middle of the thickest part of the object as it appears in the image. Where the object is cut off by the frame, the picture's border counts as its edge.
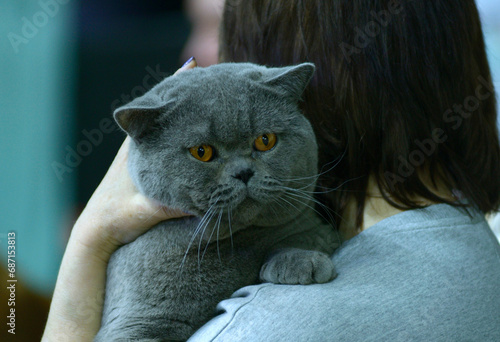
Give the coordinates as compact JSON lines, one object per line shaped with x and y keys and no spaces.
{"x":429,"y":250}
{"x":426,"y":274}
{"x":438,"y":225}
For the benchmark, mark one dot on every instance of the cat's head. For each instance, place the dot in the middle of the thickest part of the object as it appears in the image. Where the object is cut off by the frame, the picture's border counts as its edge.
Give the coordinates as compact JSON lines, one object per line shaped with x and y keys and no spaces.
{"x":225,"y":141}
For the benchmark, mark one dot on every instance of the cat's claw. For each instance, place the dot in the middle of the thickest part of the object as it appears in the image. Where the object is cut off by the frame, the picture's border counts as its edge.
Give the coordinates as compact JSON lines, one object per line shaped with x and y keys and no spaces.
{"x":297,"y":266}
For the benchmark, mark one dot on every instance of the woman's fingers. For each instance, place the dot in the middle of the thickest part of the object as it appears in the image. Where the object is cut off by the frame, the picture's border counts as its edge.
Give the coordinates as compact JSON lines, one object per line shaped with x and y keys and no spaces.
{"x":190,"y":64}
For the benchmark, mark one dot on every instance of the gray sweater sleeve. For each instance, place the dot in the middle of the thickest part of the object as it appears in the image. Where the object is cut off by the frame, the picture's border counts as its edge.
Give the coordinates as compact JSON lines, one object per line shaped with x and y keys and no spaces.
{"x":423,"y":275}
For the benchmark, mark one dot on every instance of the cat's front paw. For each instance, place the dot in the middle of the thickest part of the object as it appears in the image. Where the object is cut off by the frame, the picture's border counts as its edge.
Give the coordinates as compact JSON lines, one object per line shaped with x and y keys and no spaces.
{"x":298,"y":266}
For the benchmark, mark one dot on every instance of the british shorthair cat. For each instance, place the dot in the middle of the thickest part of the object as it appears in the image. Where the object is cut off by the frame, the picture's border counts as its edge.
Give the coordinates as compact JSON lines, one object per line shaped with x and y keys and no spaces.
{"x":229,"y":145}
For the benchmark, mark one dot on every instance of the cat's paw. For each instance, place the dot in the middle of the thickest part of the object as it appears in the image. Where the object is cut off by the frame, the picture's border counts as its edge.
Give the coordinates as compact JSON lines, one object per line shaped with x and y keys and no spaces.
{"x":298,"y":266}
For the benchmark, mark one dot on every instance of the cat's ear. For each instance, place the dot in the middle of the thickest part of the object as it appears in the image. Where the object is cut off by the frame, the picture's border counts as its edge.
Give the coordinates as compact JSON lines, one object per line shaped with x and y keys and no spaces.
{"x":138,"y":116}
{"x":293,"y":80}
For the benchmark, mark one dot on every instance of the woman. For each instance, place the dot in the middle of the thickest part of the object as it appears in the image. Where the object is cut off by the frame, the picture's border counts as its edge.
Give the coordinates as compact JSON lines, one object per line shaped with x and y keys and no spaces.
{"x":403,"y":101}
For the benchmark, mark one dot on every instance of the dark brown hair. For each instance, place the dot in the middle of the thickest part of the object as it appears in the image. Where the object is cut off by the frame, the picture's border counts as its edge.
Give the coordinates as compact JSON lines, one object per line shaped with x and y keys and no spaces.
{"x":402,"y":89}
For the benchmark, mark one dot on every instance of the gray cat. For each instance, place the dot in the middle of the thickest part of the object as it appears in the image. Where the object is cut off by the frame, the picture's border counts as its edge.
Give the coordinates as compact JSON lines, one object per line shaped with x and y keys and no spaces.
{"x":228,"y":144}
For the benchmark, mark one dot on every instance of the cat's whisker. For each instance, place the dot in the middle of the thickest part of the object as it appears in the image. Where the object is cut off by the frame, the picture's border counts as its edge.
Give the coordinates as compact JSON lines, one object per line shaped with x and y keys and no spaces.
{"x":306,"y":181}
{"x":328,"y":190}
{"x":336,"y":161}
{"x":295,"y":208}
{"x":300,"y":198}
{"x":308,"y":185}
{"x":274,"y":210}
{"x":230,"y":228}
{"x":284,"y":200}
{"x":314,"y":178}
{"x":287,"y":206}
{"x":153,"y":215}
{"x":216,"y":227}
{"x":302,"y":194}
{"x":278,"y":203}
{"x":339,"y":186}
{"x":328,"y":211}
{"x":212,"y":214}
{"x":193,"y":237}
{"x":205,"y":219}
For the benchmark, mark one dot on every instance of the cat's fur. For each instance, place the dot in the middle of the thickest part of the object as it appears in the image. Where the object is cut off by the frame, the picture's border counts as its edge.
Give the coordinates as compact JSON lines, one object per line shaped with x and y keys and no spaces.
{"x":166,"y":284}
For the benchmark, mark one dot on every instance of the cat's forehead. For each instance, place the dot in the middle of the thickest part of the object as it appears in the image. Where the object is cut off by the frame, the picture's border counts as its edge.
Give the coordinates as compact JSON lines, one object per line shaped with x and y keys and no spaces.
{"x":228,"y":104}
{"x":229,"y":116}
{"x":233,"y":71}
{"x":216,"y":82}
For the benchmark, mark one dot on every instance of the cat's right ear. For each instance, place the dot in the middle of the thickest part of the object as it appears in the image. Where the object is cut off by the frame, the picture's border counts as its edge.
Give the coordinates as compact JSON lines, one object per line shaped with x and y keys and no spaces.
{"x":292,"y":79}
{"x":139,"y":116}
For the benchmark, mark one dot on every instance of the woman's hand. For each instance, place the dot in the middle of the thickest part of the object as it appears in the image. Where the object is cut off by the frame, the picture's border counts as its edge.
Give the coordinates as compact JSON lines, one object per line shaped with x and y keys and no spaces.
{"x":115,"y":215}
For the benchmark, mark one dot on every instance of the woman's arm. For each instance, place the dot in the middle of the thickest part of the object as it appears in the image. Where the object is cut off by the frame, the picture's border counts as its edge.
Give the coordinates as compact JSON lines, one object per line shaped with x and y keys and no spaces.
{"x":115,"y":215}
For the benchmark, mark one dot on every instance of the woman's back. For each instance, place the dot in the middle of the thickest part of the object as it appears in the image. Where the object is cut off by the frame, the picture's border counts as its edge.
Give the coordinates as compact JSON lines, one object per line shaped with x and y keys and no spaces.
{"x":423,"y":275}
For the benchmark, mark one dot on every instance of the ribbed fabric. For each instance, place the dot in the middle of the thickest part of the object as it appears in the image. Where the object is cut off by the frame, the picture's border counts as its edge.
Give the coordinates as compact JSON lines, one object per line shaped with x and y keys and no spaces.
{"x":430,"y":274}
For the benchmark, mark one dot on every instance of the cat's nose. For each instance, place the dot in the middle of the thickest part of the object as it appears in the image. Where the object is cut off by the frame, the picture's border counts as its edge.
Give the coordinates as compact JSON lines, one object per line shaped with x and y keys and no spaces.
{"x":244,"y":175}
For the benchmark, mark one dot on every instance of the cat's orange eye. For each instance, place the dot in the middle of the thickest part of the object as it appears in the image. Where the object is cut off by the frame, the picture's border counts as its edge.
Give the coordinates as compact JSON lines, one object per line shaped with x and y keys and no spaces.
{"x":265,"y":142}
{"x":205,"y":153}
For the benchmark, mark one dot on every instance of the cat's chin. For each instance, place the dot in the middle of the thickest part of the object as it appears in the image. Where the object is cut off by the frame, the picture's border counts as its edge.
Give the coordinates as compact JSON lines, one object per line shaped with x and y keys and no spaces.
{"x":227,"y":221}
{"x":243,"y":215}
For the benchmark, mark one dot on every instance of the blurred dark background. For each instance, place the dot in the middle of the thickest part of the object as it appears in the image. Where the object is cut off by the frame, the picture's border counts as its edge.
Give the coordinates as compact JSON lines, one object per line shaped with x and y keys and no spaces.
{"x":121,"y":42}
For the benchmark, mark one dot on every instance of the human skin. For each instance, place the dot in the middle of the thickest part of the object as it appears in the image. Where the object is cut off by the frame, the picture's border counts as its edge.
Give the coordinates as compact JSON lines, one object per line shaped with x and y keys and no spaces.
{"x":203,"y":41}
{"x":115,"y":215}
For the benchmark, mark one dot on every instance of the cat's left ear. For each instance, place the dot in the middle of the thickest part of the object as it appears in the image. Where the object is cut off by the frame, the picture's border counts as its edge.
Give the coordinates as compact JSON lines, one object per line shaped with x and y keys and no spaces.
{"x":293,"y":79}
{"x":137,"y":117}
